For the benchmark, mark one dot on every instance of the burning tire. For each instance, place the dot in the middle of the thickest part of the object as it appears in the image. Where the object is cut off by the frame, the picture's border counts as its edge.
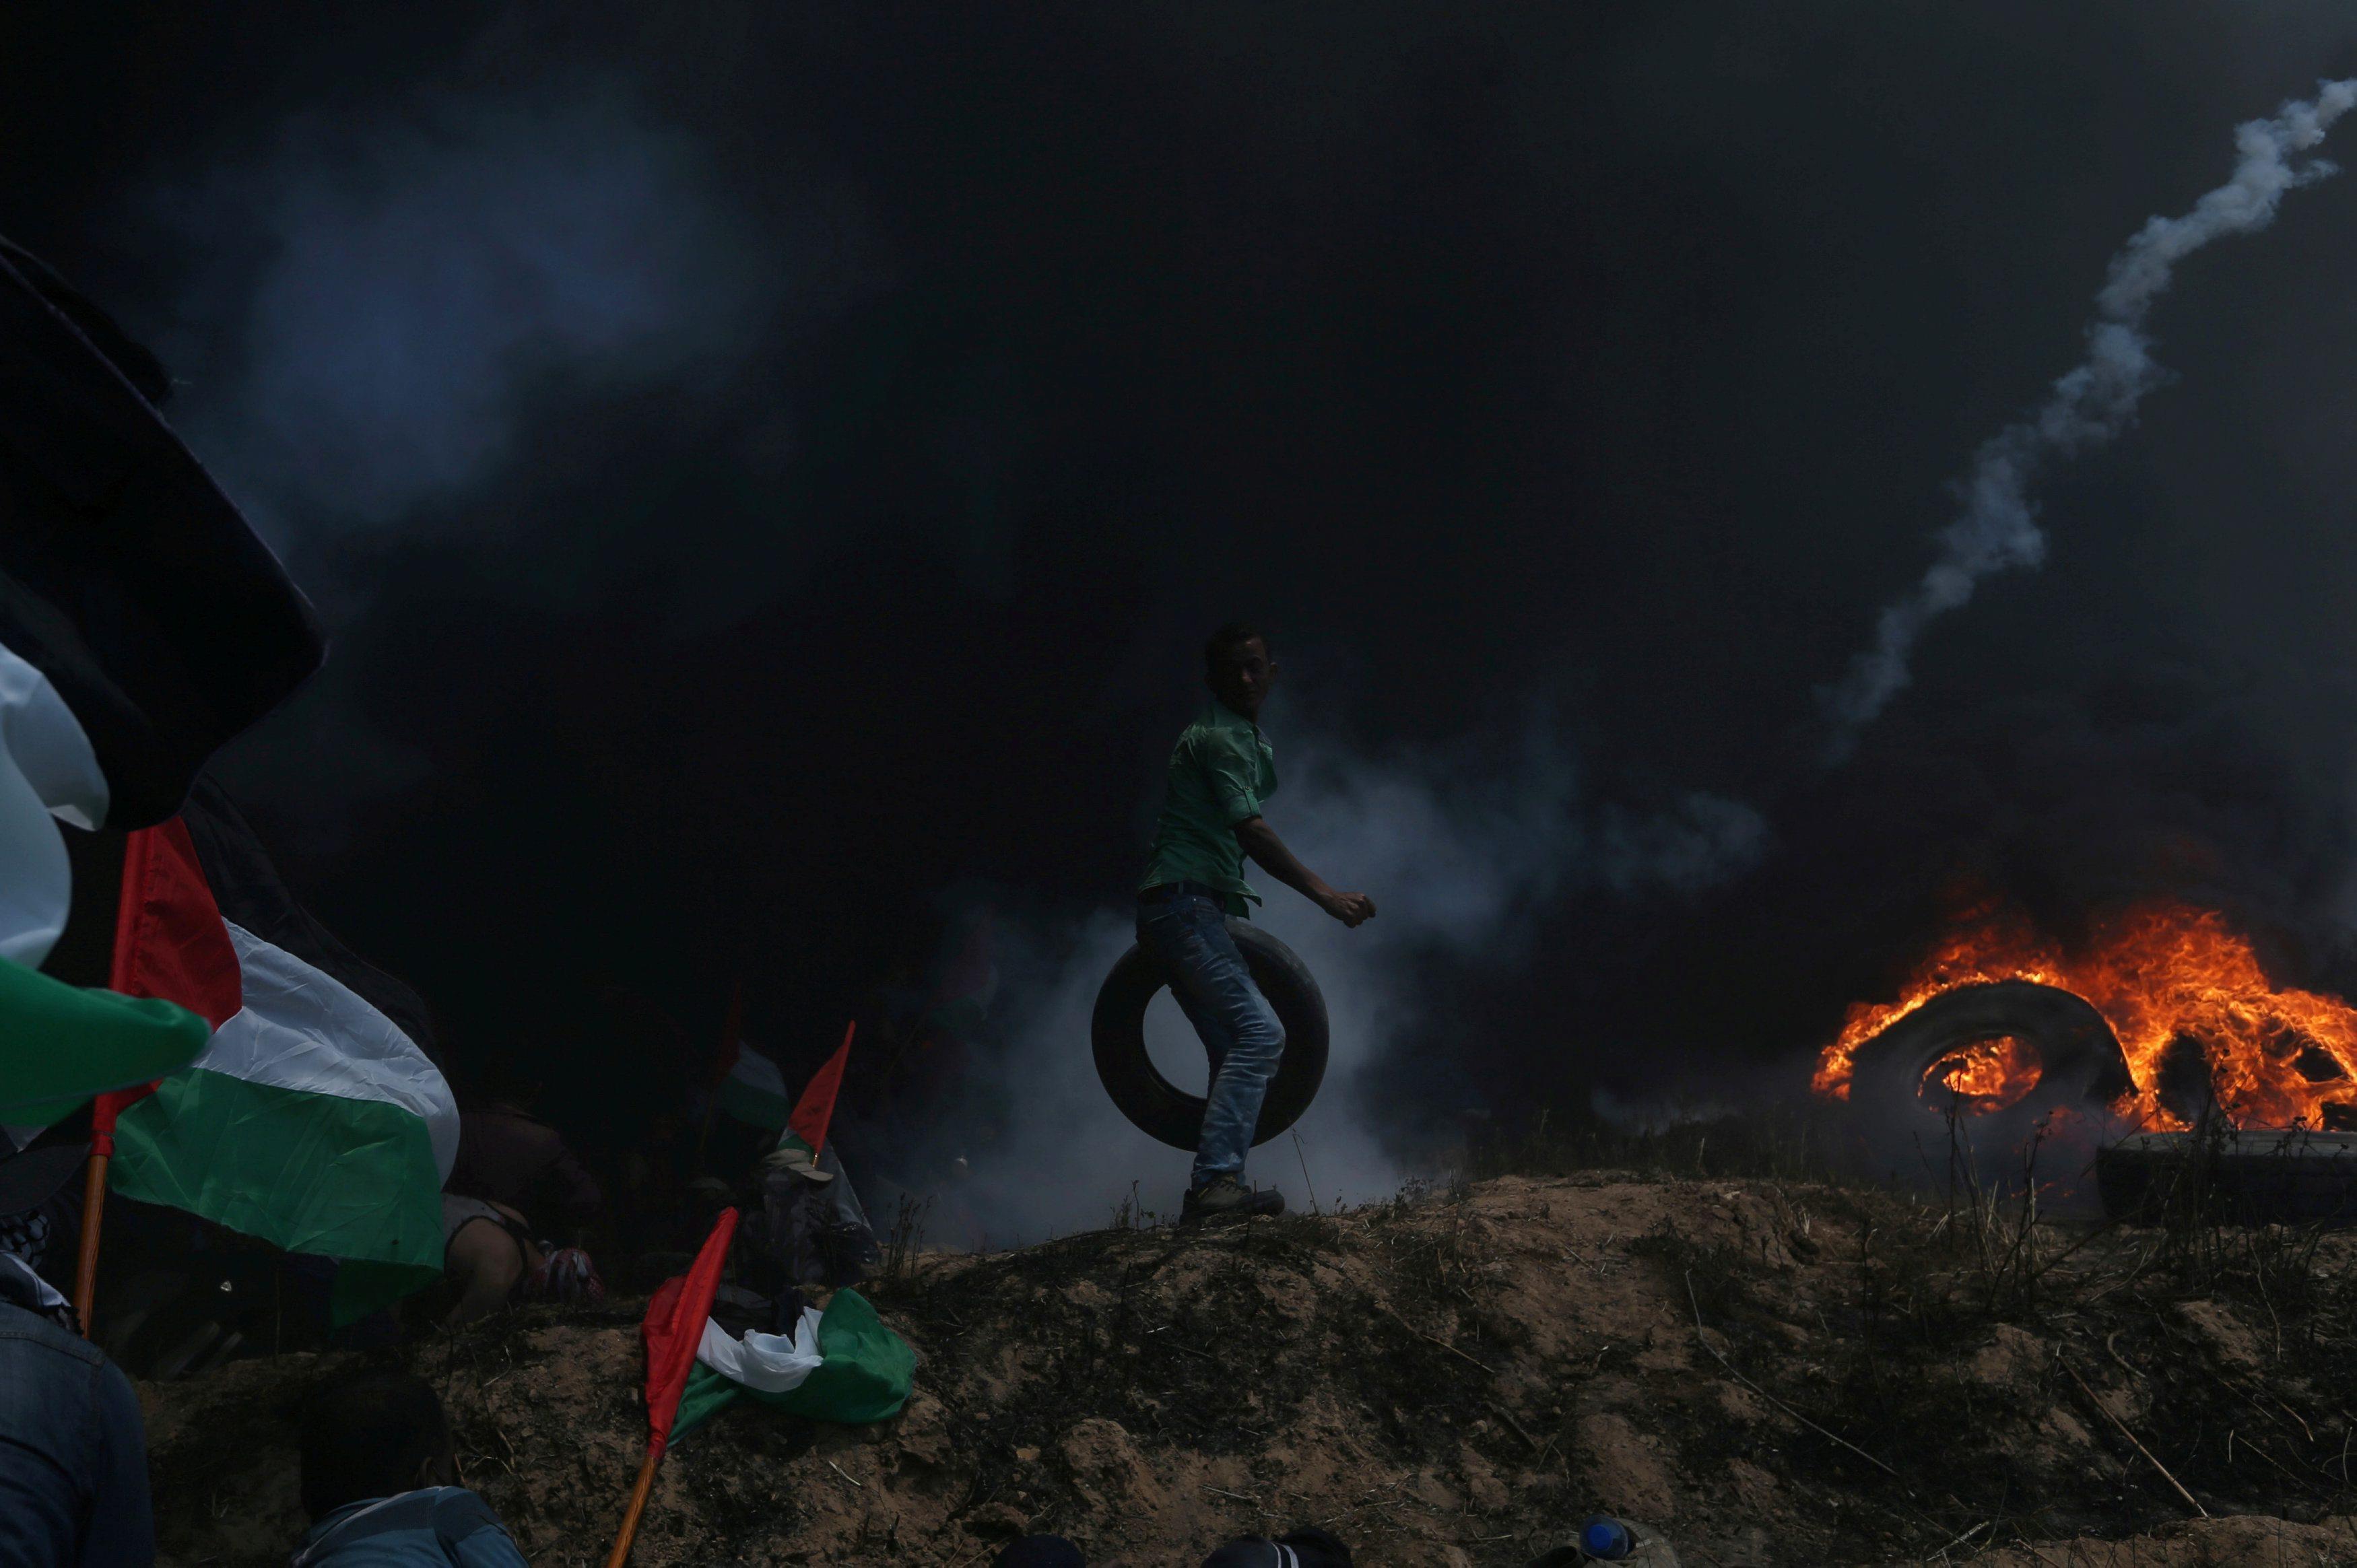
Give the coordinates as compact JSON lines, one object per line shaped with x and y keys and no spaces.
{"x":2007,"y":1046}
{"x":1168,"y":1113}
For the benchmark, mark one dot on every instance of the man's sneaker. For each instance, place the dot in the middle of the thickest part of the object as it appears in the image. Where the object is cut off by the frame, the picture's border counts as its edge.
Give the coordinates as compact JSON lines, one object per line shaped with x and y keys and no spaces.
{"x":1225,"y":1197}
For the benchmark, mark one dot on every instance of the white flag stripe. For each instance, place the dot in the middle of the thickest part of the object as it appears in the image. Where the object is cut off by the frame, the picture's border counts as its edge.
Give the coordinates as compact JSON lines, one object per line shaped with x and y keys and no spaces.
{"x":768,"y":1363}
{"x":302,"y":1029}
{"x":46,"y":768}
{"x":757,"y":1071}
{"x":47,"y":743}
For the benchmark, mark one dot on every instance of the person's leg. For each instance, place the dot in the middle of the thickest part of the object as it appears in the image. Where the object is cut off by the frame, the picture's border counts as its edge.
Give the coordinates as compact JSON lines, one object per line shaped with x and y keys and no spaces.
{"x":1214,"y":988}
{"x":486,"y":1265}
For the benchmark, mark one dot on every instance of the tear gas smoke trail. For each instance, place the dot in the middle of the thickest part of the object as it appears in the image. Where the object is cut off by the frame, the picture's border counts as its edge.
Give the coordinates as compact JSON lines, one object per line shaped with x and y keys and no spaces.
{"x":1997,"y":526}
{"x":1454,"y":853}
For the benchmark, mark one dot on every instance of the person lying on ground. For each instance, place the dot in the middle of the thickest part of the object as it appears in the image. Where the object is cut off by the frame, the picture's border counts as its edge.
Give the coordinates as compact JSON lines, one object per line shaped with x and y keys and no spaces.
{"x":509,"y":1156}
{"x":1222,"y":771}
{"x":378,"y":1481}
{"x":488,"y":1253}
{"x":73,"y":1451}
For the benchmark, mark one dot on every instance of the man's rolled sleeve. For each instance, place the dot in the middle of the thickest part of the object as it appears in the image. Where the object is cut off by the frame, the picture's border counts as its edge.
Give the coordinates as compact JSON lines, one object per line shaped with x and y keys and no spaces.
{"x":1232,"y":766}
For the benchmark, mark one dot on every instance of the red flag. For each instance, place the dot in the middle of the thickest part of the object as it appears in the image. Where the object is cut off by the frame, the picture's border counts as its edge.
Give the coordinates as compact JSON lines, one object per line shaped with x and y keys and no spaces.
{"x":675,"y":1327}
{"x":816,"y":1107}
{"x":169,"y":942}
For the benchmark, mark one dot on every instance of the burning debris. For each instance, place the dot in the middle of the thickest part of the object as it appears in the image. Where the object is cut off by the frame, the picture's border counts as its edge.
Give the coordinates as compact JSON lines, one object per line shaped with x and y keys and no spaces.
{"x":2196,"y":1022}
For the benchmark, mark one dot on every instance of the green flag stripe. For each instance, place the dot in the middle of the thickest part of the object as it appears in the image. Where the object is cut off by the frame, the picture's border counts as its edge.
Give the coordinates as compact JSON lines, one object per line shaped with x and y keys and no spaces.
{"x":59,"y":1045}
{"x":311,"y":1173}
{"x":748,"y":1103}
{"x":865,"y":1376}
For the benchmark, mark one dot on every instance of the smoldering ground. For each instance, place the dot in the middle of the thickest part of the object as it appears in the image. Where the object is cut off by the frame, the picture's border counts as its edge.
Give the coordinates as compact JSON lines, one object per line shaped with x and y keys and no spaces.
{"x":766,"y":466}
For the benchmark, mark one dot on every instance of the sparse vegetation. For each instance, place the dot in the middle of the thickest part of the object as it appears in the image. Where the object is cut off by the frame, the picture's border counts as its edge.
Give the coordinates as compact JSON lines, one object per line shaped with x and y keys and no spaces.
{"x":1846,"y":1370}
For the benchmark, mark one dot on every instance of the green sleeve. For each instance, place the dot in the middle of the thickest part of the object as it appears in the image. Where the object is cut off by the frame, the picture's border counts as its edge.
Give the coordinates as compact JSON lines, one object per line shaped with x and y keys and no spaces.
{"x":1231,"y":763}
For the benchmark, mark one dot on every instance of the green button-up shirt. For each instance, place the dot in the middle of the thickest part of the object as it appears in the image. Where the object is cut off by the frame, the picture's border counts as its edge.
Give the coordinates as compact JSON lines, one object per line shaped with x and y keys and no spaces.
{"x":1221,"y":771}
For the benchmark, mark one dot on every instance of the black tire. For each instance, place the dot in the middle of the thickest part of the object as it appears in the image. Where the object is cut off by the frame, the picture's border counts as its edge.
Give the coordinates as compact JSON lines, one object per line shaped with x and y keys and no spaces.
{"x":1160,"y":1108}
{"x":2080,"y":1057}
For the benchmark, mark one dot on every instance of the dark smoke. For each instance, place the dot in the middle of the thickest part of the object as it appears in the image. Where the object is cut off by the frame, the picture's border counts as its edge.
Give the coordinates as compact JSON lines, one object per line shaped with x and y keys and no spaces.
{"x":768,"y":464}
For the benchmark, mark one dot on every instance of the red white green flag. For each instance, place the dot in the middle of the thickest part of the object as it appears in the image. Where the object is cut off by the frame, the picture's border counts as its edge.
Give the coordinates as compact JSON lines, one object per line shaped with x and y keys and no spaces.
{"x":311,"y":1118}
{"x":805,"y":1132}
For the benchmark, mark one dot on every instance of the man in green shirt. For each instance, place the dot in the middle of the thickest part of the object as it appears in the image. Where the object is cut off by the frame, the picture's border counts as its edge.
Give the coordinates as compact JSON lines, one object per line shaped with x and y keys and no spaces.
{"x":1221,"y":772}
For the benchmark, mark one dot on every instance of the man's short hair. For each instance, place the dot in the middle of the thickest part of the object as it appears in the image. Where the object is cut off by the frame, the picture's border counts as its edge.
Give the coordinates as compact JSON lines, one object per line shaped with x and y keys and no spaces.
{"x":366,"y":1436}
{"x":1228,"y":638}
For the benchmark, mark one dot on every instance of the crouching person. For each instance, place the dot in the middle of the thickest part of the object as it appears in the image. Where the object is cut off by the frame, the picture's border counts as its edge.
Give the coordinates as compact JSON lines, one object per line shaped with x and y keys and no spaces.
{"x":378,"y":1474}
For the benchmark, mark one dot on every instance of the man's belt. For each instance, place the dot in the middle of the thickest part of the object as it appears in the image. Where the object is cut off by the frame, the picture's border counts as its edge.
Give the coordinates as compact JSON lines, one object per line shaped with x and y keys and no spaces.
{"x":1163,"y":892}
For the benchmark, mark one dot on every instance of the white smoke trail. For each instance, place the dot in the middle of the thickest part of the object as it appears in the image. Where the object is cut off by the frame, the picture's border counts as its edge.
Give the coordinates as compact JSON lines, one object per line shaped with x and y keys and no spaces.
{"x":1997,"y":526}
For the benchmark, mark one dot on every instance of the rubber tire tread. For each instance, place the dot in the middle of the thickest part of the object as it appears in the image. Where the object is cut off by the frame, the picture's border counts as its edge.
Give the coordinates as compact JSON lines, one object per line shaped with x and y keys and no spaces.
{"x":2080,"y":1054}
{"x":1168,"y":1113}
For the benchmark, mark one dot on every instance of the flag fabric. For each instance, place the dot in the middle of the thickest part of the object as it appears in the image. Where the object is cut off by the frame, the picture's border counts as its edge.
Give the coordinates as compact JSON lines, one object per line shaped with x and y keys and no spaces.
{"x":58,"y":1043}
{"x":754,"y":1091}
{"x":675,"y":1327}
{"x":142,"y":625}
{"x":841,"y":1365}
{"x":128,"y":580}
{"x":311,"y":1118}
{"x":805,"y":1132}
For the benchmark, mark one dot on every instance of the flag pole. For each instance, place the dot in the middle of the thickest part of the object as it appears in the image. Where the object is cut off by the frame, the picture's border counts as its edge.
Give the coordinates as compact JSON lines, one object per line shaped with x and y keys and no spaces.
{"x":93,"y":1209}
{"x":674,"y":1326}
{"x":639,"y":1493}
{"x":122,"y":972}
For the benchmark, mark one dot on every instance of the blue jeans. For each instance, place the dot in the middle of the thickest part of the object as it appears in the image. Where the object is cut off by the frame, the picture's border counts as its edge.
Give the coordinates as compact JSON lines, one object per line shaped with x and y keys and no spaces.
{"x":1188,"y":935}
{"x":73,"y":1455}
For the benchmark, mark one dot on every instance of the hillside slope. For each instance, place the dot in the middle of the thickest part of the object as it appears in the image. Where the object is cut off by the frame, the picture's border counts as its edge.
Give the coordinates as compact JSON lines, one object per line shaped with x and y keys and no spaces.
{"x":1768,"y":1374}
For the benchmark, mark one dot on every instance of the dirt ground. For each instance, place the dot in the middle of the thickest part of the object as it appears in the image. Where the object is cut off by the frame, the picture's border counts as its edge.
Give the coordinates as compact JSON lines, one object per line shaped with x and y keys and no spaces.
{"x":1768,"y":1373}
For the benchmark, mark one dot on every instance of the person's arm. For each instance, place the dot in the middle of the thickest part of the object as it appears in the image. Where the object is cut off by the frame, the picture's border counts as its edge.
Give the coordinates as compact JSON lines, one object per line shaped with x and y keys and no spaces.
{"x":1268,"y":852}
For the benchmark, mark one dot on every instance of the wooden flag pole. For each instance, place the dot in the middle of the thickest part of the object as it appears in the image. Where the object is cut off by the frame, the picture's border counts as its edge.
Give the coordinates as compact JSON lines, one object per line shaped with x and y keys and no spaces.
{"x":637,"y":1509}
{"x":93,"y":1209}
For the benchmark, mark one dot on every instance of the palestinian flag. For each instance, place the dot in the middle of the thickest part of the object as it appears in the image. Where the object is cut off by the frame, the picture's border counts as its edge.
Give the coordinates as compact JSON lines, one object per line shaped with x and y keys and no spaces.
{"x":58,"y":1043}
{"x":842,"y":1365}
{"x":128,"y":579}
{"x":314,"y":1118}
{"x":755,"y":1090}
{"x":805,"y":1132}
{"x":745,"y":1083}
{"x":142,"y":625}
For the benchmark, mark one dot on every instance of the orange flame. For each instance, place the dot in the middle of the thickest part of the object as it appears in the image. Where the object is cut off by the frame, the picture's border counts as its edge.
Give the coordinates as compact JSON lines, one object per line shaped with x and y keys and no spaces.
{"x":2161,"y":973}
{"x":1989,"y":1075}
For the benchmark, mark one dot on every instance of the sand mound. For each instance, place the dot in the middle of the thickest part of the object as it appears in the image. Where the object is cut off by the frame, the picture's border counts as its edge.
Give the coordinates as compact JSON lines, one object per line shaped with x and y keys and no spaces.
{"x":1758,"y":1371}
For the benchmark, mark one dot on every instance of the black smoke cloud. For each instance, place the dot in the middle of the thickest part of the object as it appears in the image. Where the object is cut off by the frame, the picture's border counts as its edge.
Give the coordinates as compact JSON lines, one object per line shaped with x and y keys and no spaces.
{"x":817,"y":437}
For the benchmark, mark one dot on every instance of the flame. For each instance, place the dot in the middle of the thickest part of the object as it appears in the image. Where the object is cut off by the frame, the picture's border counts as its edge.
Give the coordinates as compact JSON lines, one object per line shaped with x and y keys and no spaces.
{"x":1989,"y":1075}
{"x":2162,"y":974}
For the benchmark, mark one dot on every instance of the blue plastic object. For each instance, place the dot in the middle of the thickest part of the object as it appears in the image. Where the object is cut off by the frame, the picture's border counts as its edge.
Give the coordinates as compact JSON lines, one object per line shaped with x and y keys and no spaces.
{"x":1604,"y":1539}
